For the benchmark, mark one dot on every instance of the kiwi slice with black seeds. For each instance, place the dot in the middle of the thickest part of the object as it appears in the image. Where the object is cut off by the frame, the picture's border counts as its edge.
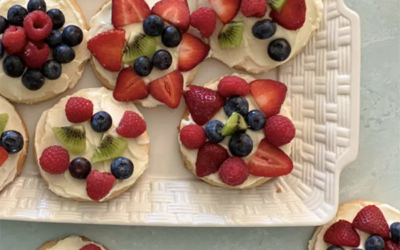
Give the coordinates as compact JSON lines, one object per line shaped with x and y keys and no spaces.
{"x":110,"y":148}
{"x":277,"y":4}
{"x":141,"y":45}
{"x":3,"y":122}
{"x":235,"y":124}
{"x":231,"y":35}
{"x":73,"y":138}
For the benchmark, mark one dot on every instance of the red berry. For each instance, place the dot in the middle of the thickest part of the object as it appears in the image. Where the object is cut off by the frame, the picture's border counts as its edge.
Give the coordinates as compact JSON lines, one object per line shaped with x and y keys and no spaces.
{"x":209,"y":159}
{"x":78,"y":109}
{"x":131,"y":125}
{"x":292,"y":15}
{"x":175,"y":12}
{"x":192,"y":52}
{"x":98,"y":184}
{"x":233,"y":86}
{"x":90,"y":247}
{"x":125,"y":12}
{"x":342,"y":233}
{"x":234,"y":171}
{"x":54,"y":160}
{"x":371,"y":220}
{"x":36,"y":54}
{"x":192,"y":136}
{"x":14,"y":39}
{"x":168,"y":89}
{"x":3,"y":156}
{"x":279,"y":130}
{"x":38,"y":25}
{"x":204,"y":20}
{"x":130,"y":86}
{"x":254,"y":8}
{"x":225,"y":9}
{"x":390,"y":245}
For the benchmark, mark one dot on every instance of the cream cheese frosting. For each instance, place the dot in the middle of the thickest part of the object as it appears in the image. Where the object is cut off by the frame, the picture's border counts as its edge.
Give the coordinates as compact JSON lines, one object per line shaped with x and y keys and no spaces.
{"x":137,"y":151}
{"x":73,"y":243}
{"x":256,"y":136}
{"x":13,"y":89}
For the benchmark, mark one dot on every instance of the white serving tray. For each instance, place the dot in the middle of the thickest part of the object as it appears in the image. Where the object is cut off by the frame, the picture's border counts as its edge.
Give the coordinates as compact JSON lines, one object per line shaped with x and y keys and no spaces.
{"x":324,"y":92}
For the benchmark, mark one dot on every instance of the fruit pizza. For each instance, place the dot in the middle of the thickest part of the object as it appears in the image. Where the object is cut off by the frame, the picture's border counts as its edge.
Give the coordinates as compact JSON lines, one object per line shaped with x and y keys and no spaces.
{"x":72,"y":243}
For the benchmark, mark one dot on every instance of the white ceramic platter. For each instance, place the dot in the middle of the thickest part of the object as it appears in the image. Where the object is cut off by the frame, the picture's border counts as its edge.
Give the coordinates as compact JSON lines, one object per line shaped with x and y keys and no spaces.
{"x":324,"y":92}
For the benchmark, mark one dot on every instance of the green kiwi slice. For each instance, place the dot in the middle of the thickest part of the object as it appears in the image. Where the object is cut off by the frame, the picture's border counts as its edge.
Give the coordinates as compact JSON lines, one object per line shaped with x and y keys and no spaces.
{"x":3,"y":122}
{"x":231,"y":35}
{"x":236,"y":123}
{"x":142,"y":45}
{"x":73,"y":138}
{"x":110,"y":148}
{"x":277,"y":4}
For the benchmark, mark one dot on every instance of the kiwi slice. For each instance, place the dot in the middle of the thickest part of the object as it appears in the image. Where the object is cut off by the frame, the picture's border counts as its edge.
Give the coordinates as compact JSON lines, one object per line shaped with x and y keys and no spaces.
{"x":3,"y":122}
{"x":110,"y":148}
{"x":73,"y":138}
{"x":231,"y":35}
{"x":277,"y":4}
{"x":141,"y":45}
{"x":236,"y":123}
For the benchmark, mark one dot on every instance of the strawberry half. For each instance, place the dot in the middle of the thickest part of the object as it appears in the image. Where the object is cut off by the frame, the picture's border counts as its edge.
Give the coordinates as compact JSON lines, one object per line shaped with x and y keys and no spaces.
{"x":270,"y":161}
{"x":130,"y":87}
{"x":342,"y":233}
{"x":191,"y":52}
{"x":3,"y":156}
{"x":168,"y":89}
{"x":107,"y":48}
{"x":371,"y":220}
{"x":175,"y":12}
{"x":125,"y":12}
{"x":292,"y":16}
{"x":269,"y":95}
{"x":225,"y":9}
{"x":210,"y":158}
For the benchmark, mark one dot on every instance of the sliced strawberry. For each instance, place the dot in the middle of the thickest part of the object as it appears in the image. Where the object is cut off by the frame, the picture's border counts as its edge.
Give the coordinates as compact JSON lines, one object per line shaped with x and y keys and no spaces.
{"x":270,"y":161}
{"x":342,"y":233}
{"x":225,"y":9}
{"x":107,"y":48}
{"x":175,"y":12}
{"x":269,"y":95}
{"x":3,"y":156}
{"x":203,"y":103}
{"x":210,"y":158}
{"x":168,"y":89}
{"x":125,"y":12}
{"x":371,"y":220}
{"x":292,"y":16}
{"x":192,"y":52}
{"x":130,"y":87}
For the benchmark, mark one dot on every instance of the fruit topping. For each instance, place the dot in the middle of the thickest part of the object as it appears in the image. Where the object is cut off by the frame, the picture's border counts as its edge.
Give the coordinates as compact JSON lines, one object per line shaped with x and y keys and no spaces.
{"x":107,"y":48}
{"x":101,"y":122}
{"x":153,"y":25}
{"x":394,"y":228}
{"x":264,"y":29}
{"x":143,"y":66}
{"x":64,"y":54}
{"x":13,"y":66}
{"x":254,"y":8}
{"x":110,"y":148}
{"x":171,"y":36}
{"x":391,"y":245}
{"x":210,"y":158}
{"x":37,"y":5}
{"x":277,"y":5}
{"x":35,"y":54}
{"x":374,"y":243}
{"x":37,"y":25}
{"x":130,"y":87}
{"x":204,"y":20}
{"x":3,"y":24}
{"x":241,"y":145}
{"x":237,"y":104}
{"x":292,"y":16}
{"x":78,"y":109}
{"x":80,"y":168}
{"x":54,"y":39}
{"x":14,"y":40}
{"x":52,"y":69}
{"x":54,"y":160}
{"x":122,"y":168}
{"x":125,"y":12}
{"x":175,"y":12}
{"x":3,"y":156}
{"x":214,"y":131}
{"x":90,"y":247}
{"x":33,"y":79}
{"x":342,"y":233}
{"x":225,"y":9}
{"x":231,"y":35}
{"x":371,"y":220}
{"x":234,"y":171}
{"x":168,"y":89}
{"x":162,"y":59}
{"x":72,"y":35}
{"x":73,"y":138}
{"x":131,"y":125}
{"x":192,"y":136}
{"x":191,"y":53}
{"x":140,"y":45}
{"x":279,"y":130}
{"x":233,"y":86}
{"x":3,"y":122}
{"x":270,"y":161}
{"x":203,"y":103}
{"x":16,"y":15}
{"x":256,"y":120}
{"x":235,"y":124}
{"x":279,"y":50}
{"x":12,"y":141}
{"x":99,"y":185}
{"x":57,"y":17}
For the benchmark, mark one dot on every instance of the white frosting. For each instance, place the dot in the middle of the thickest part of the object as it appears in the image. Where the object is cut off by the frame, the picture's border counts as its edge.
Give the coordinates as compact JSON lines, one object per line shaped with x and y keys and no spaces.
{"x":252,"y":54}
{"x":137,"y":151}
{"x":73,"y":243}
{"x":13,"y":89}
{"x":256,"y":136}
{"x":9,"y":169}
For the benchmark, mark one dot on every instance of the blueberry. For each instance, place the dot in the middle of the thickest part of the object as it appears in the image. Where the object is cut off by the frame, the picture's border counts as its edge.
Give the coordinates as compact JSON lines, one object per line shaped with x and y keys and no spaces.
{"x":214,"y":131}
{"x":16,"y":15}
{"x":241,"y":145}
{"x":63,"y":54}
{"x":101,"y":122}
{"x":264,"y":29}
{"x":80,"y":168}
{"x":13,"y":66}
{"x":122,"y":168}
{"x":256,"y":120}
{"x":33,"y":79}
{"x":1,"y":49}
{"x":52,"y":69}
{"x":72,"y":35}
{"x":3,"y":24}
{"x":12,"y":141}
{"x":374,"y":243}
{"x":153,"y":25}
{"x":162,"y":60}
{"x":395,"y":231}
{"x":335,"y":248}
{"x":143,"y":66}
{"x":54,"y":39}
{"x":279,"y":50}
{"x":171,"y":36}
{"x":237,"y":104}
{"x":37,"y":5}
{"x":57,"y":17}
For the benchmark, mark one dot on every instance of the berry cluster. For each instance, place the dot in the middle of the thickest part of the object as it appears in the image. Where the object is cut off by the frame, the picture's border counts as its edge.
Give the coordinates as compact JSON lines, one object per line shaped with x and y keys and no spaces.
{"x":11,"y":141}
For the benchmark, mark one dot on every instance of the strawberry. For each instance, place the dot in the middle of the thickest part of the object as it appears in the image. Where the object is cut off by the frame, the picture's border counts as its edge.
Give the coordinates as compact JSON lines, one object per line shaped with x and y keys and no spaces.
{"x":192,"y":136}
{"x":191,"y":52}
{"x":107,"y":48}
{"x":125,"y":12}
{"x":98,"y":184}
{"x":371,"y":220}
{"x":210,"y":158}
{"x":254,"y":8}
{"x":233,"y":86}
{"x":390,"y":245}
{"x":3,"y":156}
{"x":90,"y":247}
{"x":130,"y":87}
{"x":342,"y":233}
{"x":269,"y":95}
{"x":204,"y":20}
{"x":168,"y":89}
{"x":225,"y":9}
{"x":175,"y":12}
{"x":292,"y":16}
{"x":270,"y":161}
{"x":203,"y":103}
{"x":131,"y":125}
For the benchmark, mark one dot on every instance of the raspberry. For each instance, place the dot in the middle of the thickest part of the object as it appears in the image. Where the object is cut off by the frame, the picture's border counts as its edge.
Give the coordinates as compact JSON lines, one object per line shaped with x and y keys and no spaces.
{"x":234,"y":171}
{"x":14,"y":39}
{"x":54,"y":160}
{"x":279,"y":130}
{"x":38,"y":25}
{"x":390,"y":245}
{"x":233,"y":86}
{"x":35,"y":54}
{"x":192,"y":136}
{"x":98,"y":184}
{"x":209,"y":158}
{"x":78,"y":109}
{"x":90,"y":247}
{"x":204,"y":20}
{"x":254,"y":8}
{"x":131,"y":125}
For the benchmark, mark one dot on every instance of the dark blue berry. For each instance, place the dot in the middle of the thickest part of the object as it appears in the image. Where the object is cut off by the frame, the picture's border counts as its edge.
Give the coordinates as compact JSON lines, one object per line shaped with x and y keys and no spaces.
{"x":171,"y":36}
{"x":12,"y":141}
{"x":72,"y":35}
{"x":264,"y":29}
{"x":334,"y":248}
{"x":256,"y":120}
{"x":101,"y":122}
{"x":241,"y":145}
{"x":237,"y":104}
{"x":1,"y":49}
{"x":16,"y":15}
{"x":143,"y":66}
{"x":13,"y":66}
{"x":153,"y":25}
{"x":122,"y":168}
{"x":33,"y":79}
{"x":279,"y":50}
{"x":374,"y":243}
{"x":37,"y":5}
{"x":214,"y":131}
{"x":57,"y":17}
{"x":52,"y":69}
{"x":63,"y":54}
{"x":3,"y":24}
{"x":395,"y":232}
{"x":162,"y":60}
{"x":80,"y":168}
{"x":54,"y":39}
